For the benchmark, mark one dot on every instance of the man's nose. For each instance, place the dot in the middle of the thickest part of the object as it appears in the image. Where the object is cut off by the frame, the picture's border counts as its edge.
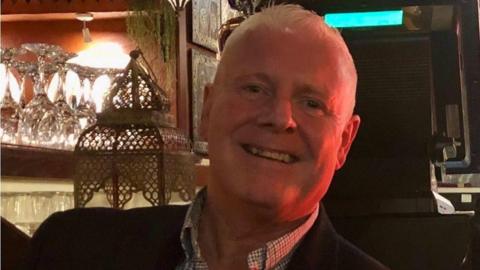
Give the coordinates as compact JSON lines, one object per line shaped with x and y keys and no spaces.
{"x":278,"y":116}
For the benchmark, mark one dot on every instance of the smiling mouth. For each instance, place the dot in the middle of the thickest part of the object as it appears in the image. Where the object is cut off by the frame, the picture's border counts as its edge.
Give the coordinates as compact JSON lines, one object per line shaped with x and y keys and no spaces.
{"x":270,"y":154}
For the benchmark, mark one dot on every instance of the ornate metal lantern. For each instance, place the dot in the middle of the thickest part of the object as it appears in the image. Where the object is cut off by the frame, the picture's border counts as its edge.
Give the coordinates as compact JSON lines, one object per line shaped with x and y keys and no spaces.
{"x":133,"y":147}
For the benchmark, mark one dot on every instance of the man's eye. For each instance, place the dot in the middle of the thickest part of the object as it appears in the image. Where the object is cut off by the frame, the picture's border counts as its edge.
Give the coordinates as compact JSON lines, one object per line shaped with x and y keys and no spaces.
{"x":313,"y":104}
{"x":254,"y":89}
{"x":313,"y":107}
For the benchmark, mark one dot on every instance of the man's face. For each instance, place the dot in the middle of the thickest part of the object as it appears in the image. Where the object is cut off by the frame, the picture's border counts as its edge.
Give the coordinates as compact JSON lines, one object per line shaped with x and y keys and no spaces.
{"x":277,"y":121}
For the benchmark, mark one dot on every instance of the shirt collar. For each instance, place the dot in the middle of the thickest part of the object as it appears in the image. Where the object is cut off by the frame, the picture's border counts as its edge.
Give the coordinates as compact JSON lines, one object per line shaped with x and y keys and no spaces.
{"x":279,"y":251}
{"x":189,"y":234}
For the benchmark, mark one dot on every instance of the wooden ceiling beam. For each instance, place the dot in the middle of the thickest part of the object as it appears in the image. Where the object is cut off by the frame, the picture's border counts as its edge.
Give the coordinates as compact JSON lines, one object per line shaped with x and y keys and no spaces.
{"x":60,"y":16}
{"x":61,"y":6}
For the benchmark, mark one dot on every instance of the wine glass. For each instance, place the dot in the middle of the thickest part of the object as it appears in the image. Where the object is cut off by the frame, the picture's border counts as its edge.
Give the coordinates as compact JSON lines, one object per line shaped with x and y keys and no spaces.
{"x":8,"y":206}
{"x":7,"y":59}
{"x":102,"y":85}
{"x":85,"y":110}
{"x":59,"y":59}
{"x":72,"y":88}
{"x":69,"y":126}
{"x":36,"y":124}
{"x":62,"y":201}
{"x":24,"y":212}
{"x":89,"y":102}
{"x":10,"y":109}
{"x":24,"y":70}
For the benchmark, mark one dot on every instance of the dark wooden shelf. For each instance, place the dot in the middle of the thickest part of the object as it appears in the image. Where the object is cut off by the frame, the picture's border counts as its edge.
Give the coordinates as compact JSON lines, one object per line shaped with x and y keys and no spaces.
{"x":25,"y":161}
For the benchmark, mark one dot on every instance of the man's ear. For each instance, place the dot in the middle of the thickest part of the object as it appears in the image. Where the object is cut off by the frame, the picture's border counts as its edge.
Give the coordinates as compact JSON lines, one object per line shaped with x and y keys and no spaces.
{"x":207,"y":105}
{"x":348,"y":135}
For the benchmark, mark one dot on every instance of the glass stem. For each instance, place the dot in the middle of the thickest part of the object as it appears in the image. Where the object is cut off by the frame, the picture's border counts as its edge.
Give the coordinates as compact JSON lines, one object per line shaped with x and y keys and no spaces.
{"x":61,"y":86}
{"x":23,"y":99}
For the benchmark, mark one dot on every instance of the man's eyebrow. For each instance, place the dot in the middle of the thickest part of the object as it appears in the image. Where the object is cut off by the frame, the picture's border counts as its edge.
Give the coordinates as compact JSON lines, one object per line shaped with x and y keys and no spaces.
{"x":258,"y":76}
{"x":319,"y":91}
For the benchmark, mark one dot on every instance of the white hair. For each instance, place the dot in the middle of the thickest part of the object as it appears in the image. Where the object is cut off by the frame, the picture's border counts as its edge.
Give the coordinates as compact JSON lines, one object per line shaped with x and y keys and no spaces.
{"x":285,"y":17}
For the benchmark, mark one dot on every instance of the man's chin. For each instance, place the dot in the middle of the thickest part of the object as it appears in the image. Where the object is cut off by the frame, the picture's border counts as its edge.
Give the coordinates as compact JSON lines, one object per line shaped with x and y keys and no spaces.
{"x":273,"y":202}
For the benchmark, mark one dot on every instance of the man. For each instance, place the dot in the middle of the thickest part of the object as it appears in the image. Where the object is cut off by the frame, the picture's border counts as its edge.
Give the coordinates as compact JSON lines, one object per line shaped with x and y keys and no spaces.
{"x":278,"y":120}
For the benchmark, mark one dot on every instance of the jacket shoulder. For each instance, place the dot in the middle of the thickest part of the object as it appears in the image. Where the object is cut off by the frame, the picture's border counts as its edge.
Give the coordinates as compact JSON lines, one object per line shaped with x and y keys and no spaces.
{"x":97,"y":236}
{"x":108,"y":221}
{"x":323,"y":248}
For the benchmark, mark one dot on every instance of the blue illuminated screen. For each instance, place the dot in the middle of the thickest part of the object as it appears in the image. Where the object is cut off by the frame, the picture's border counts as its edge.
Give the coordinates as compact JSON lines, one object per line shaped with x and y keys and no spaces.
{"x":364,"y":19}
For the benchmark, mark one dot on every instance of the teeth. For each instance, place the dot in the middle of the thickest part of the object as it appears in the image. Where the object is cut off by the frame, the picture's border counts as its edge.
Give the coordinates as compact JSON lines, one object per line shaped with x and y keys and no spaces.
{"x":286,"y":158}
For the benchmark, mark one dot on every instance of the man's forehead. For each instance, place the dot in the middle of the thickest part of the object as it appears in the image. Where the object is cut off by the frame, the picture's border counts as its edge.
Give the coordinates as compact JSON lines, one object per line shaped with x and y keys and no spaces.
{"x":295,"y":39}
{"x":261,"y":42}
{"x":266,"y":32}
{"x":298,"y":42}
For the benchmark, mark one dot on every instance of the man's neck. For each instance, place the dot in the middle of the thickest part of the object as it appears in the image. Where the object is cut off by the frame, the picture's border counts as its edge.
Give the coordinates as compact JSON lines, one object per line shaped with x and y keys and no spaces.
{"x":228,"y":233}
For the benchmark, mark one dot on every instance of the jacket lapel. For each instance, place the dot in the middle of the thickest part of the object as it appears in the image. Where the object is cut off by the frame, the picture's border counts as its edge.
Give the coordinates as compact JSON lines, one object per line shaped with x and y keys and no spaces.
{"x":319,"y":248}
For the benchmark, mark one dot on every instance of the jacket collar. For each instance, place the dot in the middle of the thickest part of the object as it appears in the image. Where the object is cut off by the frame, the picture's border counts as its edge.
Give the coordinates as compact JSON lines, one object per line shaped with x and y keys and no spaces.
{"x":160,"y":247}
{"x":319,"y":248}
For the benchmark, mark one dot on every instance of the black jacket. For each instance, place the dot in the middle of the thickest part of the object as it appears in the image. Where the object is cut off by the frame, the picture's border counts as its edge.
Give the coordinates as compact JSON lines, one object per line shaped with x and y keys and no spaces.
{"x":149,"y":239}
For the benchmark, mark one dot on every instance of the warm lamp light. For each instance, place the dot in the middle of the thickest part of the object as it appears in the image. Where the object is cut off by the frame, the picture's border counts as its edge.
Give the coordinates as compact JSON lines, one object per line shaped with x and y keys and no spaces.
{"x":102,"y":55}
